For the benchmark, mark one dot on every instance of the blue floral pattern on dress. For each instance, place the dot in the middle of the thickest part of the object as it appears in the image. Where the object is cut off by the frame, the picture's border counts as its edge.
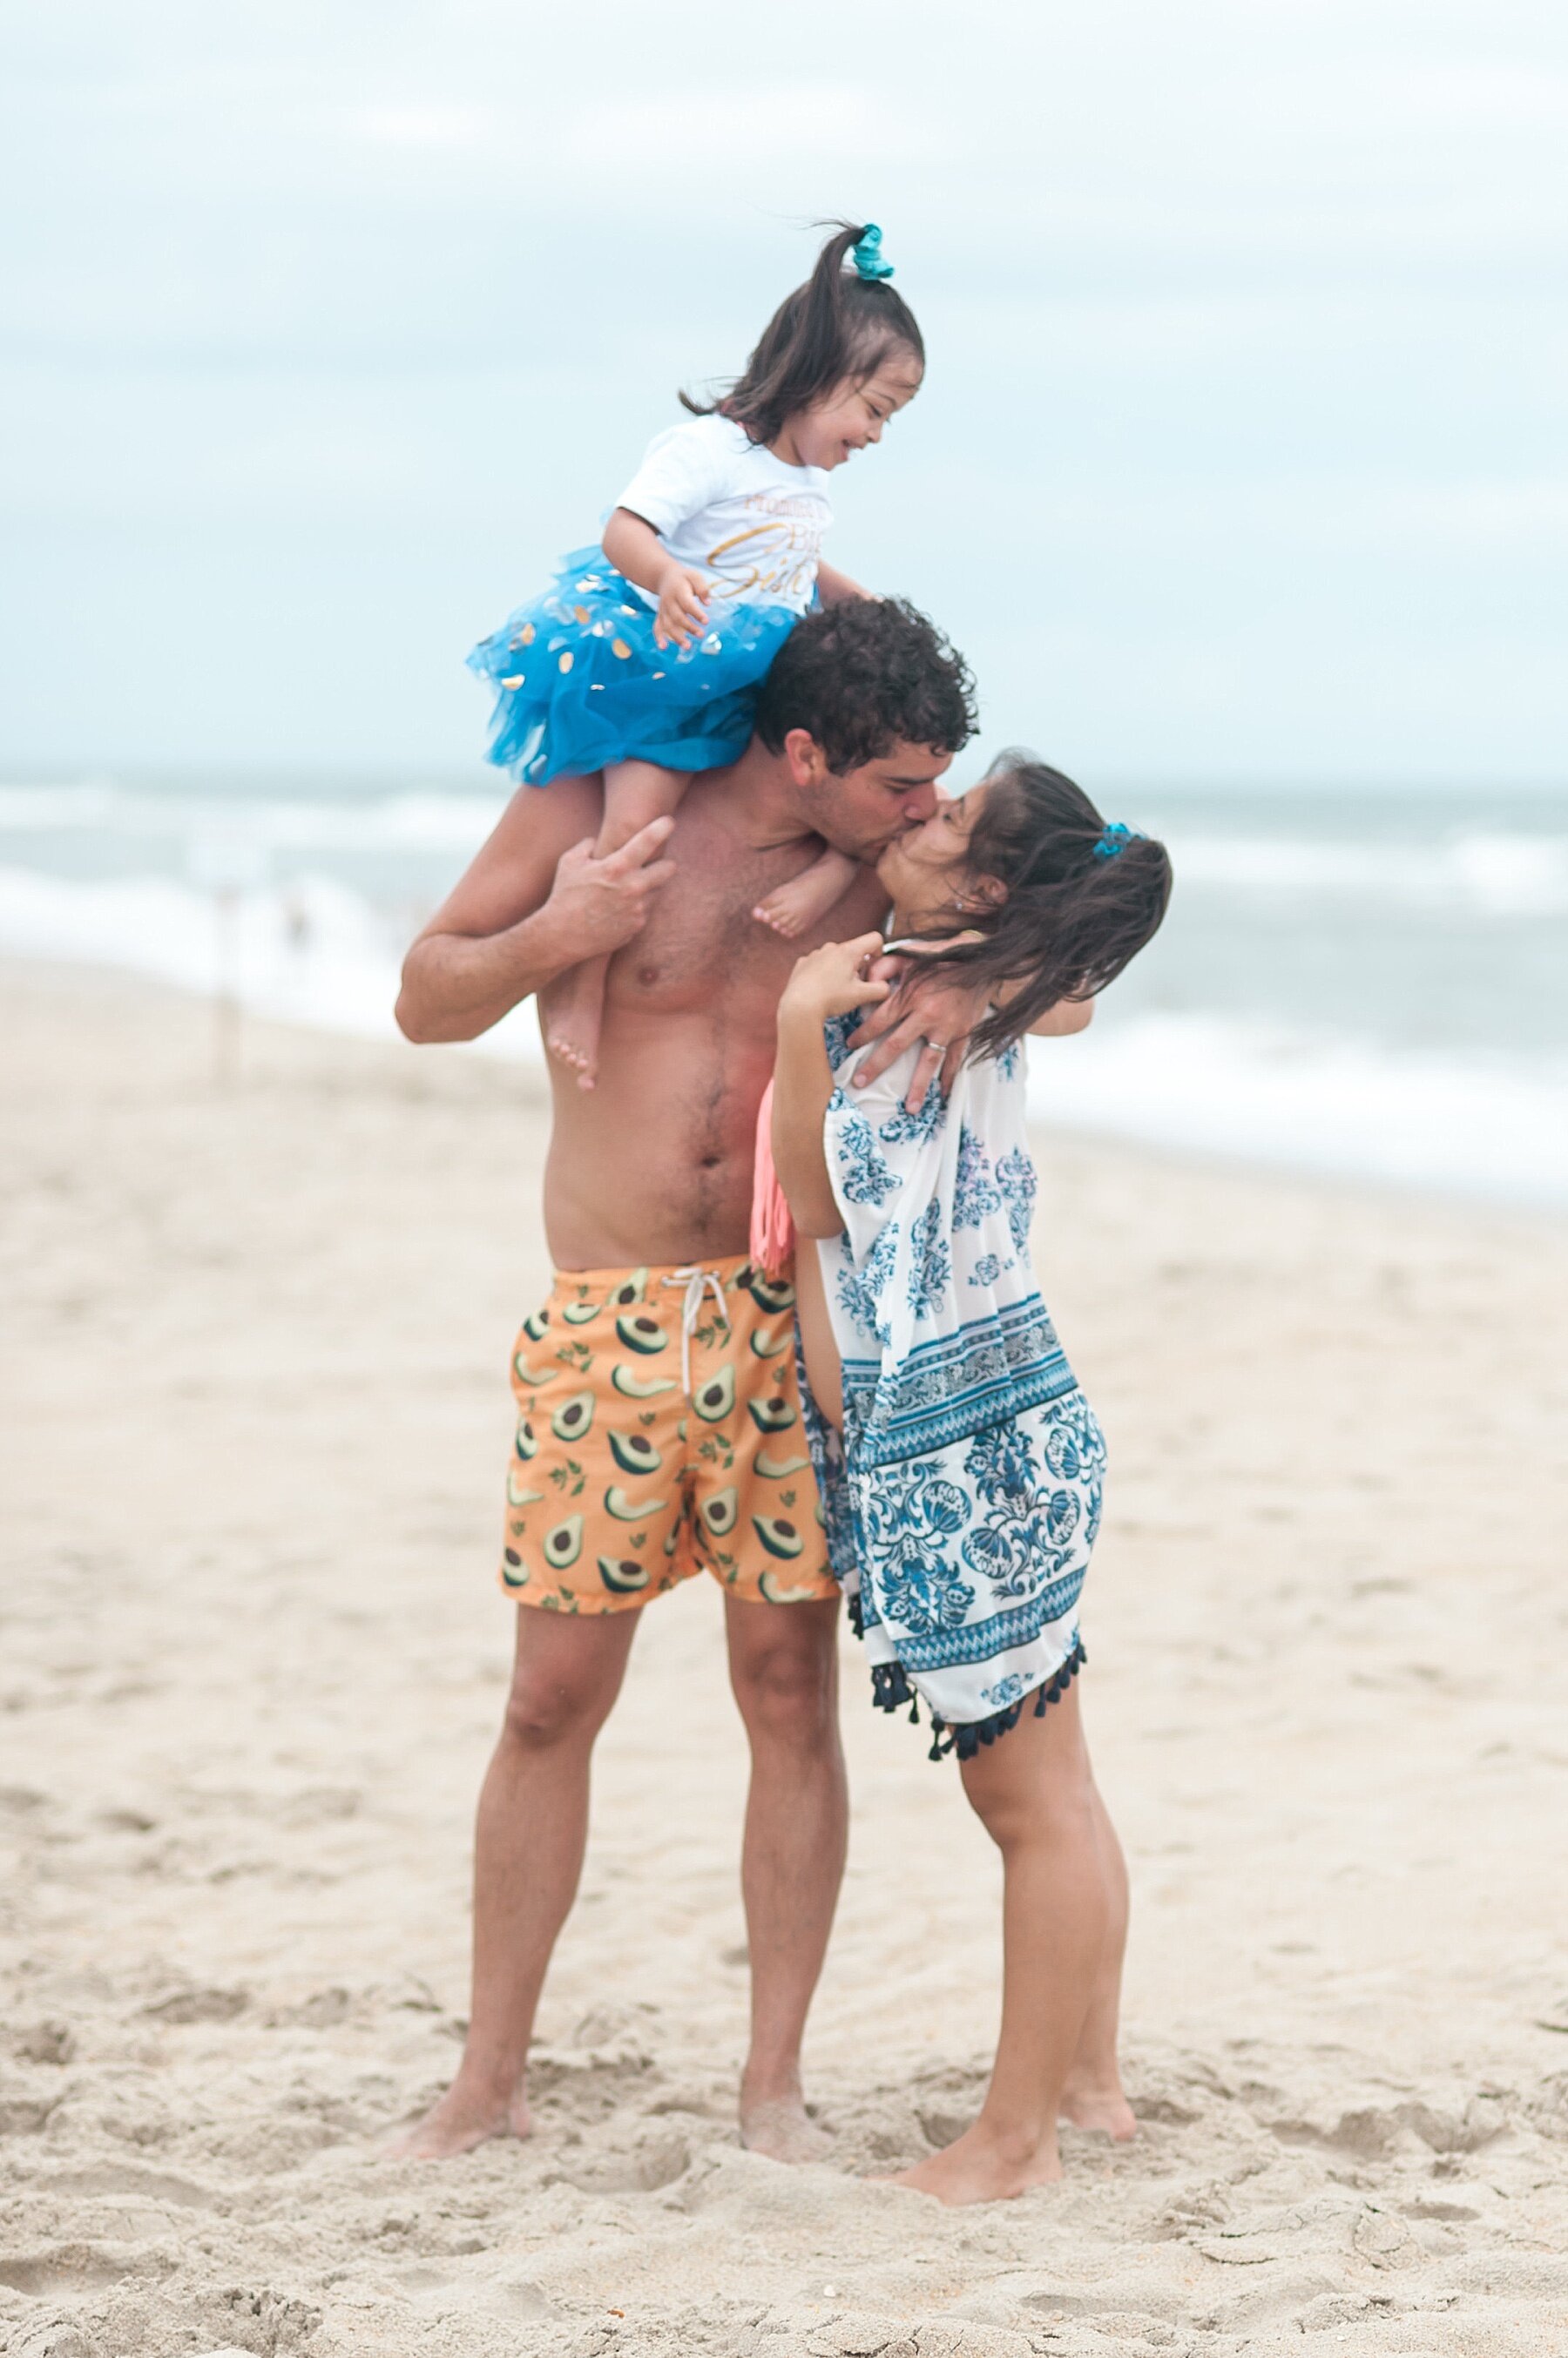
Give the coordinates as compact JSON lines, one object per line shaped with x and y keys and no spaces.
{"x":914,"y":1518}
{"x":902,"y":1128}
{"x":974,"y":1189}
{"x":836,"y":1036}
{"x":1028,"y":1520}
{"x":965,"y":1493}
{"x":863,"y":1176}
{"x":1016,"y":1177}
{"x":931,"y":1267}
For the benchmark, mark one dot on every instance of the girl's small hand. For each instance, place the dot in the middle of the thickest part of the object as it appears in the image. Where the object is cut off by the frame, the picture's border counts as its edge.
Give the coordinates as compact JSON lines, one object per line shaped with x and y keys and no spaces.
{"x":683,"y":606}
{"x":833,"y":979}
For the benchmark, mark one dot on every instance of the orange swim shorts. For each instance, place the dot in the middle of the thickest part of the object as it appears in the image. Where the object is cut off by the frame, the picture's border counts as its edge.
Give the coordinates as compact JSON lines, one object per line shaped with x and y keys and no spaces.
{"x":659,"y":1433}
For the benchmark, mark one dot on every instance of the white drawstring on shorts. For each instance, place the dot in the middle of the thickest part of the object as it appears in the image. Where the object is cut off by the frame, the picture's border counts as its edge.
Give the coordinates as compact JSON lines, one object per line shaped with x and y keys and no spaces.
{"x":698,"y":1284}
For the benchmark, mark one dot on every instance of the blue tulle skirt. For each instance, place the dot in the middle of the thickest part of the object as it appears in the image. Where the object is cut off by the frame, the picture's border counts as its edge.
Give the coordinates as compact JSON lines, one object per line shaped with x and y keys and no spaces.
{"x":580,"y":682}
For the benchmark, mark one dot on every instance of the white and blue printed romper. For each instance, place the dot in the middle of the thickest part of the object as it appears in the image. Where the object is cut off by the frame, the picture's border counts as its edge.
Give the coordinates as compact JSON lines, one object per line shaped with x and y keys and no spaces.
{"x":964,"y":1499}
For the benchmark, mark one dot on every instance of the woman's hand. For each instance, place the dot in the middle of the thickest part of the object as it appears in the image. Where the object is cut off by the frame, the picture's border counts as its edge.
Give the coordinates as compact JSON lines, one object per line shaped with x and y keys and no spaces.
{"x":683,"y":606}
{"x":937,"y":1007}
{"x":833,"y":979}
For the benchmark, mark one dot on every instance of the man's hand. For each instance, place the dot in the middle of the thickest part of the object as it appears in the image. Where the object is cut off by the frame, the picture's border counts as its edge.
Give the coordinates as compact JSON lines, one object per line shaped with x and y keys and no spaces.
{"x":683,"y":606}
{"x":600,"y":904}
{"x":938,"y":1008}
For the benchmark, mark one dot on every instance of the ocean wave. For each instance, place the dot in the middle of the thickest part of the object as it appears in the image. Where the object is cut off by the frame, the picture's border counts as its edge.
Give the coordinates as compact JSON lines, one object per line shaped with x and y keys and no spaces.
{"x":1486,"y":872}
{"x":259,"y":825}
{"x":316,"y":952}
{"x":1315,"y":1102}
{"x":313,"y":952}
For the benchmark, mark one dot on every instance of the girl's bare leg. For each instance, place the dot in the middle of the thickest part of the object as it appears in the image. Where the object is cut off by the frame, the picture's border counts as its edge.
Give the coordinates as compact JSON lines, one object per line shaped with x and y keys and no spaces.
{"x":1033,"y":1793}
{"x":572,"y":1006}
{"x":792,"y":908}
{"x":1092,"y":2097}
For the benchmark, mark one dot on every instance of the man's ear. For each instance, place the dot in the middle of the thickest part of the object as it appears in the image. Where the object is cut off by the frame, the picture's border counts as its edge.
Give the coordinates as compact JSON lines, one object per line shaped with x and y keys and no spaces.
{"x":808,"y":763}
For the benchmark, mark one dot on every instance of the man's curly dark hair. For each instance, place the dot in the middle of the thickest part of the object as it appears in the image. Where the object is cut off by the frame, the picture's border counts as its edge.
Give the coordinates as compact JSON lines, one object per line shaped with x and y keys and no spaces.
{"x":862,"y":677}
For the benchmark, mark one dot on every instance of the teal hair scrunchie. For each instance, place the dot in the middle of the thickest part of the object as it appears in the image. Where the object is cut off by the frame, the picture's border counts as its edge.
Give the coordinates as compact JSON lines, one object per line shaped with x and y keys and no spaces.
{"x":867,"y":256}
{"x":1116,"y":838}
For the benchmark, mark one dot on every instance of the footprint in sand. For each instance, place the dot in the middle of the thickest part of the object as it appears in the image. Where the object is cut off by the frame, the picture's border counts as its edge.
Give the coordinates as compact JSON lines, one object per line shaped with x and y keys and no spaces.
{"x":199,"y":2005}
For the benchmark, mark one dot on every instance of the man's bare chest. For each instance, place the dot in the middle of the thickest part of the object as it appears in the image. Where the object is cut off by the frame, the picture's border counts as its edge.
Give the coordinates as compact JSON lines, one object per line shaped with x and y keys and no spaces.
{"x":702,"y":945}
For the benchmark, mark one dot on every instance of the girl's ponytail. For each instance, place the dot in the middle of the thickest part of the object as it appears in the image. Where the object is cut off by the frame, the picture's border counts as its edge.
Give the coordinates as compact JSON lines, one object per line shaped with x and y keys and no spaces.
{"x":840,"y":324}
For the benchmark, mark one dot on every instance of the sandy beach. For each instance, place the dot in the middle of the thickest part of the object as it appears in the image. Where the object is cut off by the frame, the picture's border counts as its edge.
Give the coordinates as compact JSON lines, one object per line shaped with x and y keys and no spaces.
{"x":252,"y":1658}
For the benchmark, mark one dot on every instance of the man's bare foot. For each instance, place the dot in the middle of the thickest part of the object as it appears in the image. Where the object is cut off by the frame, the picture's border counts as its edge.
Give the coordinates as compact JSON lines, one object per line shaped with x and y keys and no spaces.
{"x":462,"y":2119}
{"x":573,"y":1008}
{"x":780,"y":2128}
{"x":983,"y":2166}
{"x":1105,"y":2109}
{"x":790,"y":908}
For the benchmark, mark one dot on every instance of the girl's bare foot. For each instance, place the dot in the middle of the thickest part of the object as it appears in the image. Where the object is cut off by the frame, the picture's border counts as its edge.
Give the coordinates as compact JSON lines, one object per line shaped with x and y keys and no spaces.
{"x":985,"y":2165}
{"x":1105,"y":2109}
{"x":463,"y":2118}
{"x":573,"y":1008}
{"x":792,"y":907}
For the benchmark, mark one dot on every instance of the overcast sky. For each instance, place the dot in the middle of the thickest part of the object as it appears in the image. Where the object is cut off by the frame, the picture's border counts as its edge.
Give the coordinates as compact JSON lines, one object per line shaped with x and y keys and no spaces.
{"x":324,"y":325}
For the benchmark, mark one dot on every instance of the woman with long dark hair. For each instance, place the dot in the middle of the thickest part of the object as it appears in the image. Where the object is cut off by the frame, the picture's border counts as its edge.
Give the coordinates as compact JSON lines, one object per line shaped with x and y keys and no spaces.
{"x":960,"y":1464}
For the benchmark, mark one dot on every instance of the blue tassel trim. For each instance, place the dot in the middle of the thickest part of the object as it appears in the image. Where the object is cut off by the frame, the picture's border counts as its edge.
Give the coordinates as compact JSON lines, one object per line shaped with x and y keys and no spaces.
{"x":890,"y":1690}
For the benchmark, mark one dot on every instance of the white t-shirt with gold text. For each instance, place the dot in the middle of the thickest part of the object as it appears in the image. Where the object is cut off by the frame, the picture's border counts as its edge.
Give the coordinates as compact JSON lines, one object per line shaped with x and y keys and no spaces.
{"x":727,"y":507}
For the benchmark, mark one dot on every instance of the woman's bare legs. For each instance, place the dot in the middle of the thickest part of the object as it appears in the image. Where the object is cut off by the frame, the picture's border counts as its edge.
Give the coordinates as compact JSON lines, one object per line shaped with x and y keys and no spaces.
{"x":572,"y":1006}
{"x":1092,"y":2097}
{"x":1034,"y":1792}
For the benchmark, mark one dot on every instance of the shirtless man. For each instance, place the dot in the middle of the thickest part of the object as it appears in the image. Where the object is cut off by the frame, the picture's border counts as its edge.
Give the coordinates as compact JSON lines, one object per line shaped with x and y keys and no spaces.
{"x":658,"y":1337}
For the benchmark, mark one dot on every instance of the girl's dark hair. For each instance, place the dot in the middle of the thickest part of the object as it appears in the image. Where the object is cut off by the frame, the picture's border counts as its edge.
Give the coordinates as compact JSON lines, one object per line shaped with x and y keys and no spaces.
{"x":837,"y":325}
{"x":1071,"y":918}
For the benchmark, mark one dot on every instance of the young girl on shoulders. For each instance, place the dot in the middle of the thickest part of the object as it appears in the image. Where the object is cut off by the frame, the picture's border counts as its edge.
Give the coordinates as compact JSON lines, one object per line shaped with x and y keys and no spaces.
{"x":642,"y":659}
{"x":959,"y":1463}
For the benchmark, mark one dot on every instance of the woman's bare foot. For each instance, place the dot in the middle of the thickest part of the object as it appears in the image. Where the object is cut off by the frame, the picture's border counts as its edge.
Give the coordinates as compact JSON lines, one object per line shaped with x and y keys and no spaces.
{"x":985,"y":2166}
{"x":463,"y":2118}
{"x":1105,"y":2109}
{"x":573,"y":1008}
{"x":792,"y":907}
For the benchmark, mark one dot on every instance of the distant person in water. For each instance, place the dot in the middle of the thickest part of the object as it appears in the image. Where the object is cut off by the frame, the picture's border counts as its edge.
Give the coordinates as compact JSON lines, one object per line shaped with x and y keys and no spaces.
{"x":960,"y":1464}
{"x":640,"y":665}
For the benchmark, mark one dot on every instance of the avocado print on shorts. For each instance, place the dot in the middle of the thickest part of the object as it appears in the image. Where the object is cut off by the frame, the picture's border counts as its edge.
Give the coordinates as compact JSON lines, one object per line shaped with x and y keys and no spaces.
{"x":720,"y":1513}
{"x":635,"y":1453}
{"x":773,"y":1415}
{"x":641,"y":1333}
{"x":779,"y":1469}
{"x":778,"y":1535}
{"x":715,"y":1400}
{"x":623,"y":1575}
{"x":573,"y":1417}
{"x":769,"y":1294}
{"x":563,"y":1544}
{"x":627,"y":1510}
